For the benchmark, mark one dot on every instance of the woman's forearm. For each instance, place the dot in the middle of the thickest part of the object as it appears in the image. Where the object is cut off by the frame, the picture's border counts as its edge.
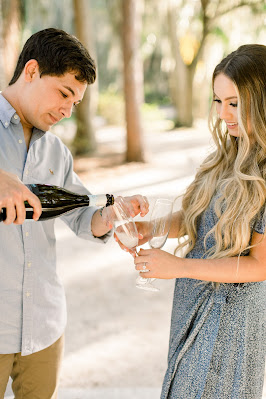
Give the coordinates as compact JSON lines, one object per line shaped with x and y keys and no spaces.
{"x":225,"y":270}
{"x":228,"y":270}
{"x":232,"y":269}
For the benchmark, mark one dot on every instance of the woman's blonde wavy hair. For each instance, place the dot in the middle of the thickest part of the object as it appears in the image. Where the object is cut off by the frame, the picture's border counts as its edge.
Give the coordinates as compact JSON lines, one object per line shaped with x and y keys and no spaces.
{"x":237,"y":169}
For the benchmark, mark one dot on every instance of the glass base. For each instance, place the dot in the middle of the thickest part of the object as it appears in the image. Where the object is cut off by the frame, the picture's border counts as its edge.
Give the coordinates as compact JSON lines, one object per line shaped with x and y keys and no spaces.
{"x":146,"y":284}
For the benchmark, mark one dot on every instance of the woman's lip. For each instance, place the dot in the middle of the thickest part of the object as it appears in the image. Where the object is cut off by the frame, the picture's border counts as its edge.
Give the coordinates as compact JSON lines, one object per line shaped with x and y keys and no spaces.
{"x":231,"y":125}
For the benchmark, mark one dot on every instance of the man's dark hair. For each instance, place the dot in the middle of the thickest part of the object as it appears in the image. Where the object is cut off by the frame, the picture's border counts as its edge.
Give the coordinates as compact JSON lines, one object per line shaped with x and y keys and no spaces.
{"x":57,"y":53}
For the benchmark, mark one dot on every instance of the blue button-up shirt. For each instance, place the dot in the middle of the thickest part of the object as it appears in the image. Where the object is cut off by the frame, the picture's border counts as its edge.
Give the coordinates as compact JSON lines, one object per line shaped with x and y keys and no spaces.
{"x":32,"y":299}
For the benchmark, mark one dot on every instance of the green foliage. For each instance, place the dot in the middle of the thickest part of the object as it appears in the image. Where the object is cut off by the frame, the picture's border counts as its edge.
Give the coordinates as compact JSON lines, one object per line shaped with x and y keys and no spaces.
{"x":153,"y":97}
{"x":111,"y":107}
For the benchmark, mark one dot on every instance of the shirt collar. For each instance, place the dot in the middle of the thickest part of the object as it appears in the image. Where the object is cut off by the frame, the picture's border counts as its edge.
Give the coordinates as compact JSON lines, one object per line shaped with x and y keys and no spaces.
{"x":8,"y":115}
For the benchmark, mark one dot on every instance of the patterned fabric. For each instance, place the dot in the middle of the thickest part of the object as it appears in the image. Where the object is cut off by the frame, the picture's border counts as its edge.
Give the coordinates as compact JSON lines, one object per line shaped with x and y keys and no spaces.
{"x":218,"y":335}
{"x":32,"y":299}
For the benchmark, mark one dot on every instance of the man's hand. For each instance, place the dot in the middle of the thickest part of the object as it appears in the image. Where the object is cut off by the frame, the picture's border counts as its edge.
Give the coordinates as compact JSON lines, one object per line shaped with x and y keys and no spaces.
{"x":13,"y":193}
{"x":131,"y":206}
{"x":136,"y":204}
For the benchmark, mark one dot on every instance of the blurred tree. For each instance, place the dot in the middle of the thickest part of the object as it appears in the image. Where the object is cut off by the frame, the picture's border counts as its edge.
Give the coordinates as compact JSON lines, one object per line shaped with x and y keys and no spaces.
{"x":131,"y":24}
{"x":11,"y":20}
{"x":190,"y":22}
{"x":155,"y":51}
{"x":43,"y":14}
{"x":73,"y":17}
{"x":84,"y":141}
{"x":2,"y":70}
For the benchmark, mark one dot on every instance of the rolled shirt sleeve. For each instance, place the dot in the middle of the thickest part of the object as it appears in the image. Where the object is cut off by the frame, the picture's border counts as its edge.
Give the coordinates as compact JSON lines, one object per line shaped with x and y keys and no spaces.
{"x":79,"y":220}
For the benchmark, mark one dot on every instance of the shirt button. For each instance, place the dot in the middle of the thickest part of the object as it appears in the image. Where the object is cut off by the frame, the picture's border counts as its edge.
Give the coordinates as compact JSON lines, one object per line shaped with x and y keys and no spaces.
{"x":20,"y":141}
{"x":27,"y":294}
{"x":29,"y":264}
{"x":6,"y":124}
{"x":27,"y":234}
{"x":27,"y":172}
{"x":15,"y":116}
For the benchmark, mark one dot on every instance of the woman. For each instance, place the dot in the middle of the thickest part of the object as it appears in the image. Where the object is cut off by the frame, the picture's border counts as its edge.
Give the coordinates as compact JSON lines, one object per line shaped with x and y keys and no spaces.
{"x":217,"y":338}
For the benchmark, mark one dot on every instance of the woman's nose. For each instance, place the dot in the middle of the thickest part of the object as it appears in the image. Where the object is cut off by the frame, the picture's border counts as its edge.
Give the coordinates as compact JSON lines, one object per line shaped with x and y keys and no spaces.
{"x":224,"y":112}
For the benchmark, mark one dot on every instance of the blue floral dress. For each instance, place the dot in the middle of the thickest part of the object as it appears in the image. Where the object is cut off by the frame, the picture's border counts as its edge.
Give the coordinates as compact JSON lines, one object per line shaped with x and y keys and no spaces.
{"x":217,"y":338}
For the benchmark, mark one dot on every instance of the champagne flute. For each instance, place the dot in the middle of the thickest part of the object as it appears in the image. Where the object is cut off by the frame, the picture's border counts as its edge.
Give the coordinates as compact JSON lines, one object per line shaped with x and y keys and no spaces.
{"x":124,"y":225}
{"x":160,"y":223}
{"x":127,"y":233}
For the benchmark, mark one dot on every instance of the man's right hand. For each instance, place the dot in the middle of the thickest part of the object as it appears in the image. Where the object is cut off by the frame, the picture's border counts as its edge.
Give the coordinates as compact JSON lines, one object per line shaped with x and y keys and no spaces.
{"x":13,"y":193}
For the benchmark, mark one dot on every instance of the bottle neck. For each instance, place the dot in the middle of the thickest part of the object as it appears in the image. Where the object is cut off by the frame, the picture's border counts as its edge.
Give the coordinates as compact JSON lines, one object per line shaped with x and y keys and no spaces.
{"x":101,"y":200}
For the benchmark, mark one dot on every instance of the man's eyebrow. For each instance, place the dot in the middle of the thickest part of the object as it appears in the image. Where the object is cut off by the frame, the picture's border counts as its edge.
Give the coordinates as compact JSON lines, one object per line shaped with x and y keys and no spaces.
{"x":71,"y":90}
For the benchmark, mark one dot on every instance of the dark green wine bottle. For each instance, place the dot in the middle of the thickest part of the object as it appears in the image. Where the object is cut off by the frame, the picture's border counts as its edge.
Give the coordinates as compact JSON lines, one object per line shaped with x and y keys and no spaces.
{"x":56,"y":201}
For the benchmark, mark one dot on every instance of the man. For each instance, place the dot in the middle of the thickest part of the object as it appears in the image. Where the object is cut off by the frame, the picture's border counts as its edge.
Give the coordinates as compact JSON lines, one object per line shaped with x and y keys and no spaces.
{"x":50,"y":78}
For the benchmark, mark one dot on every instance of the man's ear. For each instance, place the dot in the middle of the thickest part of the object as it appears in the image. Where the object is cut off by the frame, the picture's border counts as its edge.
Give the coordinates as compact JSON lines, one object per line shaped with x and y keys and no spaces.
{"x":31,"y":70}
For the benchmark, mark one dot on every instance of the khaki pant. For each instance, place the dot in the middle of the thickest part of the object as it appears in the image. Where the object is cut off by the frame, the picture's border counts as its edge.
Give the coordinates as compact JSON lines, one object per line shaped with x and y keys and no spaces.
{"x":34,"y":376}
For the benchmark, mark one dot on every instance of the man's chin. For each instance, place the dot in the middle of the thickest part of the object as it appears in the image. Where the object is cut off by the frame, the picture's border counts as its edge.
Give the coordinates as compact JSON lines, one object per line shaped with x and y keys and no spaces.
{"x":44,"y":127}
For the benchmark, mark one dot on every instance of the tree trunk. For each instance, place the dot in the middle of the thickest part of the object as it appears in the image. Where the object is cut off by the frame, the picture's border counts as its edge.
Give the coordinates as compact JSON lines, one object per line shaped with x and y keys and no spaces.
{"x":181,"y":78}
{"x":10,"y":29}
{"x":132,"y":92}
{"x":3,"y":80}
{"x":84,"y":141}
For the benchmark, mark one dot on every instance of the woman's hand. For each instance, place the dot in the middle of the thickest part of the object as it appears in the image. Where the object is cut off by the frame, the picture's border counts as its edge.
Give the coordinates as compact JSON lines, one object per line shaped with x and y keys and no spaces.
{"x":131,"y":251}
{"x":128,"y":207}
{"x":144,"y":236}
{"x":144,"y":230}
{"x":160,"y":264}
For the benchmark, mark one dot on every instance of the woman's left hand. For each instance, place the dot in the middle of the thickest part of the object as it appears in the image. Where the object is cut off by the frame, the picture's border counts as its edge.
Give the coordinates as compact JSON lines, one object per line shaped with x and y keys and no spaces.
{"x":160,"y":264}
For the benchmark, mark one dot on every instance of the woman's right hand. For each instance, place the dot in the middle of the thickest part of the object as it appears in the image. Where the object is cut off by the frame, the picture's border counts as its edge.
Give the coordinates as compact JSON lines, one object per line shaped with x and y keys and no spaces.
{"x":144,"y":236}
{"x":144,"y":230}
